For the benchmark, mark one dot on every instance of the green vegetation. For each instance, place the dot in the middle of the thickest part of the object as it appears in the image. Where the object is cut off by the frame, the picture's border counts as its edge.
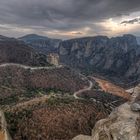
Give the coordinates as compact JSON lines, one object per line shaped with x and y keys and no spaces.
{"x":12,"y":96}
{"x":15,"y":119}
{"x":31,"y":92}
{"x":54,"y":101}
{"x":9,"y":100}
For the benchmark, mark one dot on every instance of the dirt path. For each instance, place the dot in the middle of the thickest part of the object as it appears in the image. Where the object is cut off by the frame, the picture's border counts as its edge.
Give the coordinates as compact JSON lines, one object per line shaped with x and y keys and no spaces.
{"x":29,"y":103}
{"x":83,"y":90}
{"x":29,"y":67}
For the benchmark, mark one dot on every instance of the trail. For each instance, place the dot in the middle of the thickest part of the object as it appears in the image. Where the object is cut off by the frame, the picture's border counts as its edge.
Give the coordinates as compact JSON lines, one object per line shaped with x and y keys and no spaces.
{"x":83,"y":90}
{"x":29,"y":67}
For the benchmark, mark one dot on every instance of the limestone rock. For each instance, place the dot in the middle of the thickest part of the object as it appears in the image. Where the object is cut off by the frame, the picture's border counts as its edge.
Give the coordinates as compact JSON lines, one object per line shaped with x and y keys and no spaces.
{"x":122,"y":124}
{"x":135,"y":106}
{"x":63,"y":51}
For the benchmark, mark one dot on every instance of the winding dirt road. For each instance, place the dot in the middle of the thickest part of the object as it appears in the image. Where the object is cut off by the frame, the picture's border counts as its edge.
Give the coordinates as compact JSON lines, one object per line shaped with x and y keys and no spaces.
{"x":83,"y":90}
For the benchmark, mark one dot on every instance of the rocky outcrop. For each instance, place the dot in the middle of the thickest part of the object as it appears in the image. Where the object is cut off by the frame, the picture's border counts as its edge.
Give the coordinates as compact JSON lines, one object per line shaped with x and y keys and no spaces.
{"x":135,"y":106}
{"x":53,"y":58}
{"x":117,"y":58}
{"x":4,"y":134}
{"x":122,"y":124}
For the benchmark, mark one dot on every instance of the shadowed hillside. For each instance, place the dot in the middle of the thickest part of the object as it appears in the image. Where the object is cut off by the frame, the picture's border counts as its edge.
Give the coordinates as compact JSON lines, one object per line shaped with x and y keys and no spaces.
{"x":14,"y":51}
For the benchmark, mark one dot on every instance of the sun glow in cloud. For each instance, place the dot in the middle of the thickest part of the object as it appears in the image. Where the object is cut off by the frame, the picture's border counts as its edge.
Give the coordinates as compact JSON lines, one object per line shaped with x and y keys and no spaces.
{"x":69,"y":34}
{"x":114,"y":27}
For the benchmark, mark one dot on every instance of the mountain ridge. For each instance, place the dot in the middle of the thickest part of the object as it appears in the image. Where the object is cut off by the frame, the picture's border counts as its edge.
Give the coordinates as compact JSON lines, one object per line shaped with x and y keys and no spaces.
{"x":15,"y":51}
{"x":41,"y":43}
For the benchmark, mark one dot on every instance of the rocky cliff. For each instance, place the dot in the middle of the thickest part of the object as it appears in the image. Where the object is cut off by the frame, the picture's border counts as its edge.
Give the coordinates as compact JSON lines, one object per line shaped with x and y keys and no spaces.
{"x":117,"y":58}
{"x":53,"y":58}
{"x":4,"y":134}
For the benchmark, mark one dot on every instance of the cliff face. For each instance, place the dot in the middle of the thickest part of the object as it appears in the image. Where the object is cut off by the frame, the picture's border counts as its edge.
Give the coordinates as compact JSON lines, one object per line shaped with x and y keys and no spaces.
{"x":117,"y":58}
{"x":53,"y":58}
{"x":122,"y":124}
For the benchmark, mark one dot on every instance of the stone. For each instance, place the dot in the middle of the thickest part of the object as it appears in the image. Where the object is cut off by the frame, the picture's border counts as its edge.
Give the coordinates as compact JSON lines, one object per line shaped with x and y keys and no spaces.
{"x":63,"y":51}
{"x":135,"y":107}
{"x":122,"y":124}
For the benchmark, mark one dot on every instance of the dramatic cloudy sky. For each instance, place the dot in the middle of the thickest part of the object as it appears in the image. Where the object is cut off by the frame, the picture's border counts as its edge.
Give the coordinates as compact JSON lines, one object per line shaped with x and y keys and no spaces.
{"x":69,"y":18}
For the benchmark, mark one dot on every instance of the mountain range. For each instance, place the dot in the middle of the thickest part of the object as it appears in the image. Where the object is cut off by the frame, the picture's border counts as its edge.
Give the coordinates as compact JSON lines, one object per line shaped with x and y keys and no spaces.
{"x":116,"y":58}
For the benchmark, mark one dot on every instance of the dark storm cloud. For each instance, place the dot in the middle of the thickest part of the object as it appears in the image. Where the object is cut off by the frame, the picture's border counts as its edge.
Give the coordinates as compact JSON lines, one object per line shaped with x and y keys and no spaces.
{"x":132,"y":21}
{"x":63,"y":15}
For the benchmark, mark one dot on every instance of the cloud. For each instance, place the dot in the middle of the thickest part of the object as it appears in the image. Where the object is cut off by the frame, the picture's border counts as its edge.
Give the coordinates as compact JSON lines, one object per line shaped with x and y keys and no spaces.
{"x":63,"y":15}
{"x":132,"y":21}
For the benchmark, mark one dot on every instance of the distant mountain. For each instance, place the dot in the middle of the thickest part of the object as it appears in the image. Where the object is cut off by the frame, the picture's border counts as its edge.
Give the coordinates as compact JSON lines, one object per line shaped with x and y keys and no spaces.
{"x":116,"y":58}
{"x":40,"y":43}
{"x":15,"y":51}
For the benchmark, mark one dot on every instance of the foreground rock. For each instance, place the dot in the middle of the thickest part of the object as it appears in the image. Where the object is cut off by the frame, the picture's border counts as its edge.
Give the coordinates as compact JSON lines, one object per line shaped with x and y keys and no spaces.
{"x":122,"y":124}
{"x":4,"y":134}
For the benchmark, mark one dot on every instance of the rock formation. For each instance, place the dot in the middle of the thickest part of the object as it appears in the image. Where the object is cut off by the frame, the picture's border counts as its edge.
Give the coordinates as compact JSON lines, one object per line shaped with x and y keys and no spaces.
{"x":53,"y":58}
{"x":4,"y":134}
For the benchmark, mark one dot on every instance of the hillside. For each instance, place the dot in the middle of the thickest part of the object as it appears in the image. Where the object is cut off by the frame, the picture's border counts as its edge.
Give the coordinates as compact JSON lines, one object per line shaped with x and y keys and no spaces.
{"x":42,"y":100}
{"x":56,"y":119}
{"x":14,"y":51}
{"x":19,"y":83}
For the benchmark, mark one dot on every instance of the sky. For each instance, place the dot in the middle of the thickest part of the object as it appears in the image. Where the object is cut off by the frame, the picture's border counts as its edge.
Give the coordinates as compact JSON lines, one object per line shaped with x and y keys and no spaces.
{"x":69,"y":18}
